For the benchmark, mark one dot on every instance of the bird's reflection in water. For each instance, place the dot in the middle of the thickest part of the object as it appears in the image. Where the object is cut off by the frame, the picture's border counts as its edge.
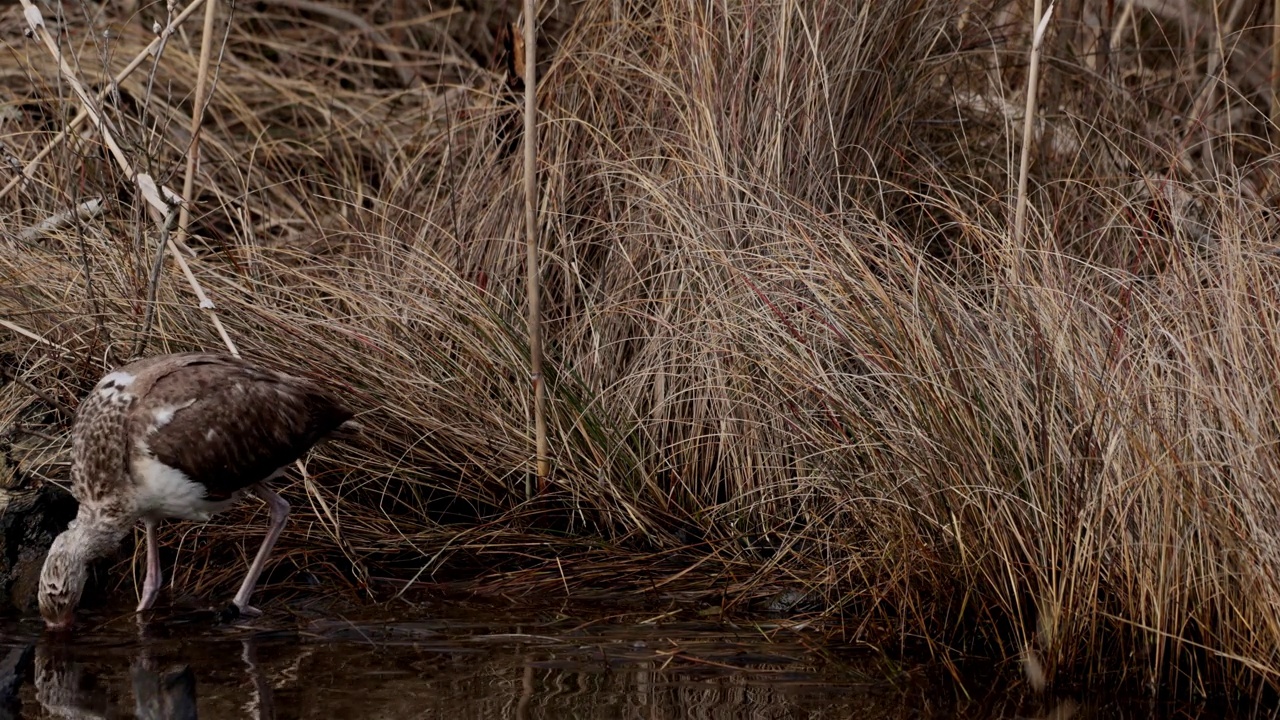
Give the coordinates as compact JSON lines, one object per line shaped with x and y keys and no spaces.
{"x":70,"y":682}
{"x":262,"y":705}
{"x":65,"y":686}
{"x":163,"y":695}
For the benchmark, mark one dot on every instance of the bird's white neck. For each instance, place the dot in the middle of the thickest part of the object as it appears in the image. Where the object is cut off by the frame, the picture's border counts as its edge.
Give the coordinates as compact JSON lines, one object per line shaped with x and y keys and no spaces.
{"x":92,"y":535}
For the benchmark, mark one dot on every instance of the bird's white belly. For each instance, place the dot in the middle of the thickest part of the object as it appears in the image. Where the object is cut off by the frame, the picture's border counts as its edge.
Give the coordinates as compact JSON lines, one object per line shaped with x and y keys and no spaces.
{"x":167,"y":492}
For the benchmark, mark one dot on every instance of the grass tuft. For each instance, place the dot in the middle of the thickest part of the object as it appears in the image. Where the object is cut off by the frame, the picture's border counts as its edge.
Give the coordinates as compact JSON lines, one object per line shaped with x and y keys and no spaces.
{"x":784,"y":356}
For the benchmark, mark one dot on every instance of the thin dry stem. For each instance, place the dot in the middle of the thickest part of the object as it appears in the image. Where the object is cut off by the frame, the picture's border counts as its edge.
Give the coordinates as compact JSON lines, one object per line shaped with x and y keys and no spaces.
{"x":1275,"y":71}
{"x":149,"y":51}
{"x":542,"y":461}
{"x":1040,"y":23}
{"x":36,"y":22}
{"x":193,"y":161}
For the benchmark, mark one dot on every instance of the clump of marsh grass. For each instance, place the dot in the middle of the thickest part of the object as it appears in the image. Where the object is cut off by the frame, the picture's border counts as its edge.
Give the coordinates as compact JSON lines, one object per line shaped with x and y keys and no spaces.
{"x":784,"y":348}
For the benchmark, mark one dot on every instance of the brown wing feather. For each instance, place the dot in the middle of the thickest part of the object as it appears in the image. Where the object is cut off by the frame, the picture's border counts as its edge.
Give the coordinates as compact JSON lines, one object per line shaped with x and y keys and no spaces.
{"x":233,"y":424}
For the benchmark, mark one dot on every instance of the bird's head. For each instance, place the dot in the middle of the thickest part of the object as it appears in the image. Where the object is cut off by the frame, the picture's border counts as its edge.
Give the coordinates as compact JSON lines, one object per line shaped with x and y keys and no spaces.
{"x":66,"y":569}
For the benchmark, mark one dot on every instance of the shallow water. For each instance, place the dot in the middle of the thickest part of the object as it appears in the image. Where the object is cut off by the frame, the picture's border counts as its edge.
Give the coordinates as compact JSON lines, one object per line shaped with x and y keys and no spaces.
{"x":460,"y":661}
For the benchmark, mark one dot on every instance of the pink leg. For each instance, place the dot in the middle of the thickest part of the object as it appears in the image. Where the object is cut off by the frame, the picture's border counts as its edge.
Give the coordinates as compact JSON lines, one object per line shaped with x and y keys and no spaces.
{"x":151,"y":586}
{"x":279,"y":509}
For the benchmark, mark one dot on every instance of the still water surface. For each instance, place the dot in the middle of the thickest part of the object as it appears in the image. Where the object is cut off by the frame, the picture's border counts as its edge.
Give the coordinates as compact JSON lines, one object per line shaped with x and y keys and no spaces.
{"x":458,"y":661}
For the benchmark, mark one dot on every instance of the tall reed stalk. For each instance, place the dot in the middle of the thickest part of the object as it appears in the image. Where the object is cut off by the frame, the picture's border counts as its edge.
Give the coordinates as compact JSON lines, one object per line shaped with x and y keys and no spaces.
{"x":1040,"y":24}
{"x":542,"y":462}
{"x":1275,"y":73}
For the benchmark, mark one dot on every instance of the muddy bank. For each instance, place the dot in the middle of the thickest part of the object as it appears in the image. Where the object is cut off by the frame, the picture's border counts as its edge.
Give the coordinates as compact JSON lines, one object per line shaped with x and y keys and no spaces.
{"x":32,"y":513}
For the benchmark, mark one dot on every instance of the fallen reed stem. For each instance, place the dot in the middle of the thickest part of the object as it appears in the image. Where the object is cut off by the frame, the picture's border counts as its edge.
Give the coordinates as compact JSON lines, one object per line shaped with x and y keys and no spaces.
{"x":153,"y":283}
{"x":151,"y":192}
{"x":88,"y":209}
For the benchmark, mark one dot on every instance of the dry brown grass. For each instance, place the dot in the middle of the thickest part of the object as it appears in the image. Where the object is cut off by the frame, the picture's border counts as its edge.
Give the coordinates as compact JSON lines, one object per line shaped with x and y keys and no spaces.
{"x":790,"y":344}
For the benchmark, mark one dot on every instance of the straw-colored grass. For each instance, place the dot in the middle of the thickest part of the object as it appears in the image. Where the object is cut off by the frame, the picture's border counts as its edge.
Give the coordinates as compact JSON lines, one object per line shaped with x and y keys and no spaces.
{"x":790,"y":344}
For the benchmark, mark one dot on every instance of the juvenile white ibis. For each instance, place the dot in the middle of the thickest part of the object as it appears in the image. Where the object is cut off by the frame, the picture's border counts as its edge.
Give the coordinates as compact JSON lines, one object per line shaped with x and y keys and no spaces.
{"x":179,"y":436}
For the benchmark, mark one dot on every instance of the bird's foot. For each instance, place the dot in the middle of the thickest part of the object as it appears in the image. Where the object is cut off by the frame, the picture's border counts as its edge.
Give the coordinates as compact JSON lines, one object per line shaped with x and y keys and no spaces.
{"x":234,"y":612}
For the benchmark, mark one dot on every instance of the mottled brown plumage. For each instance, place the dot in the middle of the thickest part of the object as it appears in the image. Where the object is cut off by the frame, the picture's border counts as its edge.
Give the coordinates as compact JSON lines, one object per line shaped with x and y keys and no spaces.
{"x":179,"y":436}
